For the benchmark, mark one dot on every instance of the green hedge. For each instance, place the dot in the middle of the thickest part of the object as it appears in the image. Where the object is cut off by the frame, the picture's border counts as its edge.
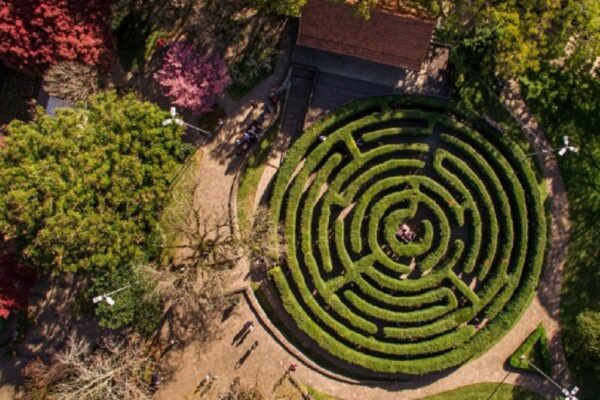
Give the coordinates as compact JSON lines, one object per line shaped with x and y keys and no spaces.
{"x":534,"y":348}
{"x":361,"y":293}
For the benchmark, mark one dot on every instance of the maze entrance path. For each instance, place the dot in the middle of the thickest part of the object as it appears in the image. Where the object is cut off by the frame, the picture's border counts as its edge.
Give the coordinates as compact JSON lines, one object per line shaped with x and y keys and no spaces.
{"x":374,"y":301}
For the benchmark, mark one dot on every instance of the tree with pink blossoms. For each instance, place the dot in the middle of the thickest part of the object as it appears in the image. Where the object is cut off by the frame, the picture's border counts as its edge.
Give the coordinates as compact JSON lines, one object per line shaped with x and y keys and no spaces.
{"x":192,"y":80}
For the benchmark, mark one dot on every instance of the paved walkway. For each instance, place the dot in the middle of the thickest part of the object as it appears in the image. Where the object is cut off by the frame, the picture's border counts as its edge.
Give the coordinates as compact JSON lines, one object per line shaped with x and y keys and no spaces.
{"x":265,"y":365}
{"x":432,"y":79}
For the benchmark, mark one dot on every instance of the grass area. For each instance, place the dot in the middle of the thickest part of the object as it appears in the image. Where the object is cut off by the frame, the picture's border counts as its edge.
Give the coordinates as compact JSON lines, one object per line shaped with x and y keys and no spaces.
{"x":182,"y":195}
{"x":250,"y":177}
{"x":17,"y":90}
{"x":480,"y":391}
{"x":483,"y":391}
{"x":316,"y":395}
{"x":566,"y":103}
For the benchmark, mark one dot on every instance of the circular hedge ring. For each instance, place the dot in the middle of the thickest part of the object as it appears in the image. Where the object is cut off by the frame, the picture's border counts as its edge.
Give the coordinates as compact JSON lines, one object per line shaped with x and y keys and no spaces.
{"x":414,"y":235}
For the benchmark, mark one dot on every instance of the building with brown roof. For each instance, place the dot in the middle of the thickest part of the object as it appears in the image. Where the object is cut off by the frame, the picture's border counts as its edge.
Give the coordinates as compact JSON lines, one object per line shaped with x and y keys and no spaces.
{"x":392,"y":37}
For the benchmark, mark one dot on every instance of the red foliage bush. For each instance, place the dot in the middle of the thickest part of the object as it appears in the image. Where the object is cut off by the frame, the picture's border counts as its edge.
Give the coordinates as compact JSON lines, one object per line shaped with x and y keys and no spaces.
{"x":37,"y":33}
{"x":16,"y":282}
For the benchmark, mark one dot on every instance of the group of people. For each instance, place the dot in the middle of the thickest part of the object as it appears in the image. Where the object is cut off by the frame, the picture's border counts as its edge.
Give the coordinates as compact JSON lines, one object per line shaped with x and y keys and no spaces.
{"x":251,"y":134}
{"x":249,"y":137}
{"x":405,"y":233}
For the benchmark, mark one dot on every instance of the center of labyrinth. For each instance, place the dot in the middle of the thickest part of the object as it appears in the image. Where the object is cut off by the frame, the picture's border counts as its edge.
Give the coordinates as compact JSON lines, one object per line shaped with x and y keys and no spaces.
{"x":413,"y":240}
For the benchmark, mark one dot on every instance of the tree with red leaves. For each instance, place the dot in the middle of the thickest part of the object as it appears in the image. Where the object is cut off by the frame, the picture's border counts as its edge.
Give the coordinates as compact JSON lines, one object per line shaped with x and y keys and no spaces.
{"x":16,"y":281}
{"x":192,"y":80}
{"x":35,"y":34}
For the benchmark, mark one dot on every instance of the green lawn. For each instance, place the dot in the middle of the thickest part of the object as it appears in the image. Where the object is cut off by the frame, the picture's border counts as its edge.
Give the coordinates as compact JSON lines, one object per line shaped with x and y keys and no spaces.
{"x":487,"y":391}
{"x":480,"y":391}
{"x":251,"y":175}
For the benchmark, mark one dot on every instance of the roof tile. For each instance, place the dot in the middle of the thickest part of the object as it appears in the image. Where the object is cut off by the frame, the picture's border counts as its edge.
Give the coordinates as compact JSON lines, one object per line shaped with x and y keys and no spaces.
{"x":387,"y":38}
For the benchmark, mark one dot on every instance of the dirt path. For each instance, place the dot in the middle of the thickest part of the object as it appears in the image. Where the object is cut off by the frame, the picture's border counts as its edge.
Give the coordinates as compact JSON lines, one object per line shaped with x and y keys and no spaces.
{"x":265,"y":365}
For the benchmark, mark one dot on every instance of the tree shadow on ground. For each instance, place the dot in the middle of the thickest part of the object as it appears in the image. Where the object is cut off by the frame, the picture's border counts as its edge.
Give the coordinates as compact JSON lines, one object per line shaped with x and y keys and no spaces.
{"x":55,"y":313}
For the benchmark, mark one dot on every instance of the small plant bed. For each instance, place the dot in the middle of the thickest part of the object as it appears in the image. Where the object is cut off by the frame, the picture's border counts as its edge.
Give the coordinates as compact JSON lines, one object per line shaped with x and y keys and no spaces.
{"x":533,"y":350}
{"x":448,"y":286}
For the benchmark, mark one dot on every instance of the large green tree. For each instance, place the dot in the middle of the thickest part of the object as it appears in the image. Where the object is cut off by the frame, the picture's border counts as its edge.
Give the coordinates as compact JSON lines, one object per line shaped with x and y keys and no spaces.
{"x":83,"y":189}
{"x":514,"y":36}
{"x":510,"y":36}
{"x":588,"y":335}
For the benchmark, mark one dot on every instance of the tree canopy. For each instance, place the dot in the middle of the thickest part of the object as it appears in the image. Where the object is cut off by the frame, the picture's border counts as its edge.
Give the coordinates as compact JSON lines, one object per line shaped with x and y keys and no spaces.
{"x":191,"y":79}
{"x":84,"y":189}
{"x":512,"y":36}
{"x":283,"y":7}
{"x":517,"y":34}
{"x":588,"y":330}
{"x":35,"y":34}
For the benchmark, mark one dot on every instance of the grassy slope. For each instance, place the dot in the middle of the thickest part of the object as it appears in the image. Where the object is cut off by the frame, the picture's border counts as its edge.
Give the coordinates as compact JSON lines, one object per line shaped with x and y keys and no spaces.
{"x":182,"y":193}
{"x":480,"y":391}
{"x":251,"y":175}
{"x":483,"y":391}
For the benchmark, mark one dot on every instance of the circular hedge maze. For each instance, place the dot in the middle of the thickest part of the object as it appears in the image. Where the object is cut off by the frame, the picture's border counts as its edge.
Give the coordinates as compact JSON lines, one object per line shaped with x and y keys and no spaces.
{"x":414,"y":235}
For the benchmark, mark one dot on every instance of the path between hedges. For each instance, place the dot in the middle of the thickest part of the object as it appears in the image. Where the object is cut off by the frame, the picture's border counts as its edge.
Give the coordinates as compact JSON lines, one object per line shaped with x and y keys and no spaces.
{"x":266,"y":365}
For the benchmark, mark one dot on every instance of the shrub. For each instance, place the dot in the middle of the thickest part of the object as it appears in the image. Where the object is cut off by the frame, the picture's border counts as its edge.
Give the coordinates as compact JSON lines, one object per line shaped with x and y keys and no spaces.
{"x":533,"y":349}
{"x":135,"y":307}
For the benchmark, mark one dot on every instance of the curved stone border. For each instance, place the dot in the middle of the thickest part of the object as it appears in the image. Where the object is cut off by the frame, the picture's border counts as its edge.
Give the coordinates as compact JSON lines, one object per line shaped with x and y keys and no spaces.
{"x":289,"y":347}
